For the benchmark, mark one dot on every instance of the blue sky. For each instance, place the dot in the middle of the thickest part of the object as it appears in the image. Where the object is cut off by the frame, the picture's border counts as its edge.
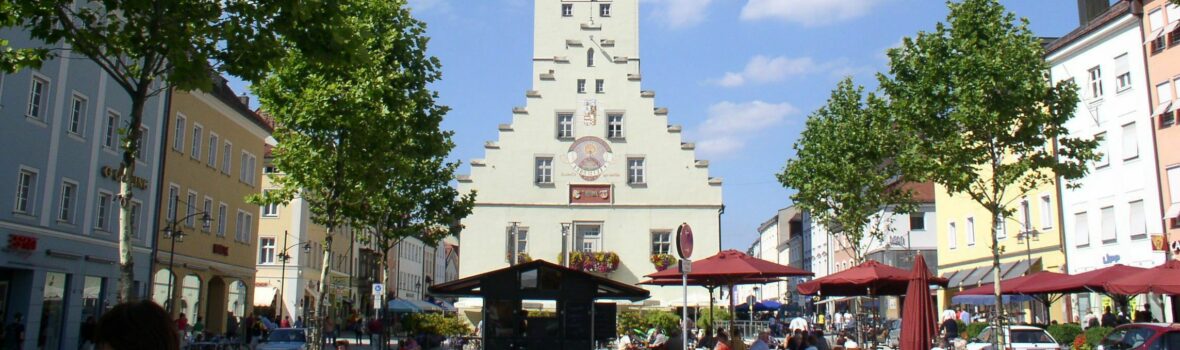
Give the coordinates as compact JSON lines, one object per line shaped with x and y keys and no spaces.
{"x":739,"y":75}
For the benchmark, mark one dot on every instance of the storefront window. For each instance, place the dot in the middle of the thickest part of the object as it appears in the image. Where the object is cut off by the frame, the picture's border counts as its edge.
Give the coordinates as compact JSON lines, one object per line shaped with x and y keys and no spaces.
{"x":237,"y":298}
{"x":93,"y":294}
{"x":160,"y":287}
{"x":190,"y":297}
{"x":56,"y":285}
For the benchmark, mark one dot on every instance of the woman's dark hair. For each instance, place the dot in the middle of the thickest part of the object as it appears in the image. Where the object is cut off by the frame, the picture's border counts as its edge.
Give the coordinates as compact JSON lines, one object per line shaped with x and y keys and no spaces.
{"x":140,"y":325}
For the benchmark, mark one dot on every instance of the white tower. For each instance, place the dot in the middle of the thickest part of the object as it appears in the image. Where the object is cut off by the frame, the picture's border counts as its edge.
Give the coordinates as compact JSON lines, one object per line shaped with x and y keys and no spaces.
{"x":589,"y":154}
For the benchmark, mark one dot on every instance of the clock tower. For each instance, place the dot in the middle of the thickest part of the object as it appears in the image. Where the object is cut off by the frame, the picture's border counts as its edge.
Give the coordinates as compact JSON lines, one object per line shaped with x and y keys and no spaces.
{"x":588,"y":170}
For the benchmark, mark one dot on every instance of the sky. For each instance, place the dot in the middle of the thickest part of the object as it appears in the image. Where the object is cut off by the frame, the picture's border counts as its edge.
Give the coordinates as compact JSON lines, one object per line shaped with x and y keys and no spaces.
{"x":741,"y":76}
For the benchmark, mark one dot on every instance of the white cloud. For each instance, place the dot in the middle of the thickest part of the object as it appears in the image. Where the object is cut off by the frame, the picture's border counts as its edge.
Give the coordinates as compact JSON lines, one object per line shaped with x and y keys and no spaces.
{"x":729,"y":124}
{"x":680,"y":13}
{"x":763,"y":69}
{"x":806,"y":12}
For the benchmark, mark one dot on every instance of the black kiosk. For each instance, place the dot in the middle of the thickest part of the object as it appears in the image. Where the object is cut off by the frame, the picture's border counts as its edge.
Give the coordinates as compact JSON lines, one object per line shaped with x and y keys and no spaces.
{"x":577,"y":323}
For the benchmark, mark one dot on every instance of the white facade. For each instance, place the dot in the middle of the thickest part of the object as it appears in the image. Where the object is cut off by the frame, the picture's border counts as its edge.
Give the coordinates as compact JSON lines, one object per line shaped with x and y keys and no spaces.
{"x":821,"y":261}
{"x":768,"y":242}
{"x":913,"y":231}
{"x":589,"y":150}
{"x":1109,"y":218}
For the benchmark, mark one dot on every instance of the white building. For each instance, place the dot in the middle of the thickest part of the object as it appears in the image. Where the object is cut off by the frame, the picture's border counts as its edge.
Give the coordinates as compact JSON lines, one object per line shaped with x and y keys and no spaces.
{"x":589,"y":164}
{"x":1109,"y":218}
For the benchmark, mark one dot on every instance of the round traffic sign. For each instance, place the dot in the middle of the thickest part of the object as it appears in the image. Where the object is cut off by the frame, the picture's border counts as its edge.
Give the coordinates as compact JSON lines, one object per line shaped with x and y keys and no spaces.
{"x":684,"y":241}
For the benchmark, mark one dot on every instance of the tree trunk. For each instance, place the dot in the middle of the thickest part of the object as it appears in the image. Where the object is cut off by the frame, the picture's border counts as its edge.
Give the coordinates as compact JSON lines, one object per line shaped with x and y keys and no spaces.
{"x":126,"y":173}
{"x":999,"y":323}
{"x":321,"y":314}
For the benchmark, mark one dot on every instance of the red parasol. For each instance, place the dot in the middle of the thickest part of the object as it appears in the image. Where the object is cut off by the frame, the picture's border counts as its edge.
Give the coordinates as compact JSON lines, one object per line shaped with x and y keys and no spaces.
{"x":1163,"y":279}
{"x":917,"y":321}
{"x":1018,"y":285}
{"x":731,"y":265}
{"x":869,"y":278}
{"x":1092,"y":281}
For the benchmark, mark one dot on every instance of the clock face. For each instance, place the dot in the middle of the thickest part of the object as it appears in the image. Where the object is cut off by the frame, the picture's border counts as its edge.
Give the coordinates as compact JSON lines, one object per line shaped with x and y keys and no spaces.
{"x":589,"y":156}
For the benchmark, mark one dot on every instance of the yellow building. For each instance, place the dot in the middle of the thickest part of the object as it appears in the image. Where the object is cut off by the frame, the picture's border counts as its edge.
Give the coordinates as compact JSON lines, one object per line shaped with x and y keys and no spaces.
{"x":964,"y":251}
{"x":287,"y":230}
{"x":211,"y":149}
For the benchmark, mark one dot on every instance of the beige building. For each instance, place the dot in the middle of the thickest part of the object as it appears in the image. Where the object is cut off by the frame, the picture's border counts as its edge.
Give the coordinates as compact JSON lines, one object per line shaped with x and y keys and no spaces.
{"x":288,"y":230}
{"x":211,"y":148}
{"x":589,"y":166}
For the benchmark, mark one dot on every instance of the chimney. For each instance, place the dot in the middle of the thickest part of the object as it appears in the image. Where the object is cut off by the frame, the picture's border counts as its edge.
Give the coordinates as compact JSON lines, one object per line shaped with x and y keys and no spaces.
{"x":1088,"y":10}
{"x":245,"y":99}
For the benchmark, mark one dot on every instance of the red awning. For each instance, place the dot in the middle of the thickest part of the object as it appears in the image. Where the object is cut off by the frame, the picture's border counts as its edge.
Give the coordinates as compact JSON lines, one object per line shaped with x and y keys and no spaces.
{"x":1017,"y":285}
{"x":1092,"y":281}
{"x":731,"y":265}
{"x":869,"y":278}
{"x":1163,"y":279}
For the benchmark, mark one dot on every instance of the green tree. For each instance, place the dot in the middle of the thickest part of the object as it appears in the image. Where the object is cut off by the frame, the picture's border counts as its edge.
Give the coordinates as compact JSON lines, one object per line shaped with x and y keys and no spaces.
{"x":360,"y":140}
{"x":844,"y":171}
{"x":982,"y":116}
{"x":147,"y":47}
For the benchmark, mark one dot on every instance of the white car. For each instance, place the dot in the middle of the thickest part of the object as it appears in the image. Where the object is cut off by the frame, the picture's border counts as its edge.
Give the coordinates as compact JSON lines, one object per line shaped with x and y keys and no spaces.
{"x":1019,"y":338}
{"x":285,"y":339}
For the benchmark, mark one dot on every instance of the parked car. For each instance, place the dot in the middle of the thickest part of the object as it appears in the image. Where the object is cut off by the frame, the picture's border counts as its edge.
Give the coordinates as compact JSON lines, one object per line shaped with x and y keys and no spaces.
{"x":285,"y":339}
{"x":1143,"y":336}
{"x":1019,"y":338}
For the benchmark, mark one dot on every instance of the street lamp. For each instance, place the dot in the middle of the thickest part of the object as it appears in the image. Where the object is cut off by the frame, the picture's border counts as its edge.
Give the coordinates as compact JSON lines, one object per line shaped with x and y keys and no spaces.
{"x":173,"y":233}
{"x":283,"y":275}
{"x":565,"y":242}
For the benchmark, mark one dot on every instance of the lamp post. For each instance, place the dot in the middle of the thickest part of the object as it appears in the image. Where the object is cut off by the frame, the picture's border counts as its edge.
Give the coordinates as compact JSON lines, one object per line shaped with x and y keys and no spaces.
{"x":512,"y":245}
{"x":565,"y":242}
{"x":173,"y":233}
{"x":283,"y":275}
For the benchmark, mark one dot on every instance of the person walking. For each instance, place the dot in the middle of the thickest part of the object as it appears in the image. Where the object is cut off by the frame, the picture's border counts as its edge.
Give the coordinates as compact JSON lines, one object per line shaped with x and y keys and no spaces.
{"x":330,"y":330}
{"x":376,"y":332}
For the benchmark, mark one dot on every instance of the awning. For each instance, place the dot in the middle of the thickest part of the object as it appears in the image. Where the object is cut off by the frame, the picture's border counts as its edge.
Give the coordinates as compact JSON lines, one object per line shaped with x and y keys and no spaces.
{"x":1163,"y":108}
{"x":425,"y":306}
{"x":402,"y":305}
{"x":976,"y":275}
{"x":988,"y":299}
{"x":1155,"y":34}
{"x":445,"y":306}
{"x":956,"y":278}
{"x":835,"y":300}
{"x":264,"y":295}
{"x":1173,"y":211}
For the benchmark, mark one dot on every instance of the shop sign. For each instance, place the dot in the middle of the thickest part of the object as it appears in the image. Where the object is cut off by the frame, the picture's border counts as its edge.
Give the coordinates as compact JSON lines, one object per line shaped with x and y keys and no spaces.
{"x":1111,"y":259}
{"x":222,"y":250}
{"x":590,"y":194}
{"x":261,"y":284}
{"x":22,"y":242}
{"x":1159,"y":243}
{"x":113,"y":174}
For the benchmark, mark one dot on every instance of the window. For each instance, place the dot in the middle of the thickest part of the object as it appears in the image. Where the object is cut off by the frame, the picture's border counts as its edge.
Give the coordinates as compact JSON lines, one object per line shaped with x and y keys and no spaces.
{"x":918,"y":222}
{"x":522,"y":242}
{"x":661,"y":242}
{"x":589,"y":57}
{"x":581,"y":86}
{"x":1130,"y":142}
{"x":222,"y":209}
{"x":970,"y":231}
{"x":270,"y":210}
{"x":135,"y":205}
{"x":565,"y":126}
{"x":1104,"y":151}
{"x":246,"y":172}
{"x":599,"y":86}
{"x":567,"y":10}
{"x":1138,"y":221}
{"x":1025,"y":216}
{"x":103,"y":208}
{"x":544,"y":171}
{"x":1109,"y":226}
{"x":69,"y":192}
{"x":1095,"y":82}
{"x":173,"y":192}
{"x":212,"y":156}
{"x":1081,"y":229}
{"x":239,"y":233}
{"x":77,"y":115}
{"x":636,"y":171}
{"x":614,"y":126}
{"x":225,"y":157}
{"x":195,"y":153}
{"x":1046,"y":212}
{"x":266,"y":251}
{"x":589,"y":238}
{"x":207,"y":208}
{"x":112,"y":130}
{"x":1122,"y":71}
{"x":951,"y":237}
{"x":1001,"y":229}
{"x":140,"y":149}
{"x":604,"y":10}
{"x":1157,"y":27}
{"x":1163,"y":92}
{"x":190,"y":215}
{"x":26,"y":183}
{"x":37,"y":89}
{"x":1174,"y":184}
{"x":178,"y":134}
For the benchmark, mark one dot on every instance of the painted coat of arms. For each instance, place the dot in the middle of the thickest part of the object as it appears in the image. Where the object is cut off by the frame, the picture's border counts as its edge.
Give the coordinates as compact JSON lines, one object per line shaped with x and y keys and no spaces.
{"x":589,"y":156}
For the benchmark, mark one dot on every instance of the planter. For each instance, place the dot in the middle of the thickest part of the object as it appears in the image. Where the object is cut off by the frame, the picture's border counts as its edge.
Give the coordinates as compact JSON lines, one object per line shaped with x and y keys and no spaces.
{"x":603,"y":262}
{"x":662,"y":261}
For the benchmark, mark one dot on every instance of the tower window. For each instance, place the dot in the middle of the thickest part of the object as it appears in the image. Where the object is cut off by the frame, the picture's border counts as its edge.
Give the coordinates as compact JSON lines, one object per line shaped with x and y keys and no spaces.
{"x":565,"y":126}
{"x":589,"y":57}
{"x":581,"y":86}
{"x":567,"y":10}
{"x":599,"y":86}
{"x":604,"y":10}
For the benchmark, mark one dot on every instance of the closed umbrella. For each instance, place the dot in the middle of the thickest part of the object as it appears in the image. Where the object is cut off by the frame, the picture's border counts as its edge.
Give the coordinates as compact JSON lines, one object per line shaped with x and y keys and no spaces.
{"x":917,"y":321}
{"x":1163,"y":279}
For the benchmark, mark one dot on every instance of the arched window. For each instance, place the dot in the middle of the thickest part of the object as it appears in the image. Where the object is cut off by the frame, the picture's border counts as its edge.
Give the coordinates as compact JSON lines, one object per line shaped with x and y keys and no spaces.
{"x":236,"y":303}
{"x":190,"y":297}
{"x":590,"y":58}
{"x":160,"y":288}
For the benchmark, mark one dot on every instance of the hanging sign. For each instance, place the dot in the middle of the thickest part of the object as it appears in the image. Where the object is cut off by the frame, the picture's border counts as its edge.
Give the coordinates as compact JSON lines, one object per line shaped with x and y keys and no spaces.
{"x":684,"y":241}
